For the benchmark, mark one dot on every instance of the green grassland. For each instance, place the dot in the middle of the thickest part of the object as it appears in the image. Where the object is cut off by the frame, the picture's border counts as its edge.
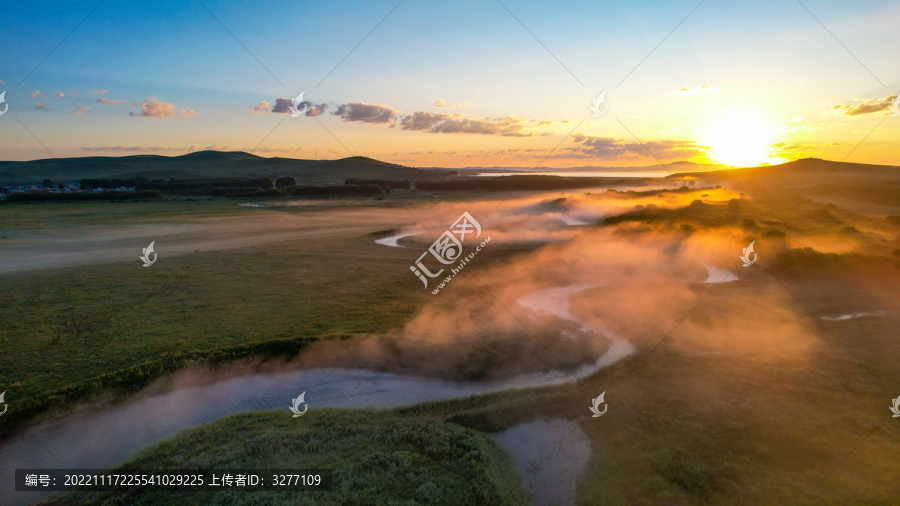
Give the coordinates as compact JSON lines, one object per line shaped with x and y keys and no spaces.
{"x":377,"y":457}
{"x":687,"y":424}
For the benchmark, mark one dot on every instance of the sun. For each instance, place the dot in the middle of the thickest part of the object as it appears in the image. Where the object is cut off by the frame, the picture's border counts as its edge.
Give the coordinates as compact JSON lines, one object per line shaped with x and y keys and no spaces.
{"x":740,"y":139}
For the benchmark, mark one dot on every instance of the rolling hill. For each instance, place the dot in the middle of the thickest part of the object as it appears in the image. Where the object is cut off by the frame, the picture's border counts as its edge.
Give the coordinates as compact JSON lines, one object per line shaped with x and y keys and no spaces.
{"x":203,"y":164}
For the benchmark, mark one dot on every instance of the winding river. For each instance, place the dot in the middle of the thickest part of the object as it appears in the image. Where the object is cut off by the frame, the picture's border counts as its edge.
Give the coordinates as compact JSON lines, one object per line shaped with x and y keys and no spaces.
{"x":105,"y":437}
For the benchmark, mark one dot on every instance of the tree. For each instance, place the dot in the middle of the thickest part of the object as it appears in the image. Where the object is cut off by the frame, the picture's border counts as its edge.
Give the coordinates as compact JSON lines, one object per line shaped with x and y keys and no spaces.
{"x":48,"y":183}
{"x":285,"y":181}
{"x":60,"y":186}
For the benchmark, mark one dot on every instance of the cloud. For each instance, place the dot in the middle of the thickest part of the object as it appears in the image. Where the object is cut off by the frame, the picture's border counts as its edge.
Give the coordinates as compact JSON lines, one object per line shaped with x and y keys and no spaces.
{"x":457,"y":105}
{"x":437,"y":103}
{"x":866,"y":107}
{"x":153,"y":108}
{"x":108,"y":101}
{"x":262,"y":106}
{"x":39,"y":106}
{"x":99,"y":92}
{"x":186,"y":114}
{"x":507,"y":126}
{"x":612,"y":148}
{"x":422,"y":120}
{"x":36,"y":93}
{"x":60,"y":95}
{"x":365,"y":113}
{"x":82,"y":110}
{"x":283,"y":106}
{"x":313,"y":109}
{"x":698,"y":89}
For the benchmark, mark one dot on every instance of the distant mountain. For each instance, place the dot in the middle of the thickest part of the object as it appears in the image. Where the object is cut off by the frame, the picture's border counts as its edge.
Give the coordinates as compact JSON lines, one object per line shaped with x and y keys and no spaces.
{"x":208,"y":164}
{"x":799,"y":173}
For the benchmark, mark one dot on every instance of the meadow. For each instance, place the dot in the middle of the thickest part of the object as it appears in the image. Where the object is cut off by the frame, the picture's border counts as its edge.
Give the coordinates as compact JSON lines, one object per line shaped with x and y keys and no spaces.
{"x":754,"y":399}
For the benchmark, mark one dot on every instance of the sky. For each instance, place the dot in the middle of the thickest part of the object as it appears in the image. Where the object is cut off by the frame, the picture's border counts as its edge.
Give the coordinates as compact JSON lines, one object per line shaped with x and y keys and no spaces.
{"x":455,"y":84}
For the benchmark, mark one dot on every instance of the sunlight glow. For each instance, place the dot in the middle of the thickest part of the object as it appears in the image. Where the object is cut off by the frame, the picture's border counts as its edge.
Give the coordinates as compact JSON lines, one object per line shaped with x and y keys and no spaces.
{"x":740,"y":139}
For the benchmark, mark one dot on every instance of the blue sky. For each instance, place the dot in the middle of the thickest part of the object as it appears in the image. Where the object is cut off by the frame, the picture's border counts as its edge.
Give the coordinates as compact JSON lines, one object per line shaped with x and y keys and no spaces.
{"x":765,"y":65}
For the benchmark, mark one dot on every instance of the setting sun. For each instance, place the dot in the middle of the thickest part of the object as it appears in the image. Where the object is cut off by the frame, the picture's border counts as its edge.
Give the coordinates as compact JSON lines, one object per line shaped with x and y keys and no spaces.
{"x":740,"y":139}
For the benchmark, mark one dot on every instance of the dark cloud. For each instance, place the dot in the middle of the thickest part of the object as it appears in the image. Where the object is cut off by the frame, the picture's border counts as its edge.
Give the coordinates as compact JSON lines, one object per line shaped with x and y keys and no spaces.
{"x":422,"y":120}
{"x":866,"y":107}
{"x":313,"y":109}
{"x":507,"y":126}
{"x":283,"y":106}
{"x":366,"y":113}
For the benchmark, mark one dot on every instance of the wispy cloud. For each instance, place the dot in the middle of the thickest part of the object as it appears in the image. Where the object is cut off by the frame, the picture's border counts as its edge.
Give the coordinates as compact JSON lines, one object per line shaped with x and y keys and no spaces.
{"x":365,"y":113}
{"x":867,"y":106}
{"x":108,"y":101}
{"x":506,"y":126}
{"x":611,"y":148}
{"x":263,"y":106}
{"x":82,"y":110}
{"x":699,"y":89}
{"x":153,"y":108}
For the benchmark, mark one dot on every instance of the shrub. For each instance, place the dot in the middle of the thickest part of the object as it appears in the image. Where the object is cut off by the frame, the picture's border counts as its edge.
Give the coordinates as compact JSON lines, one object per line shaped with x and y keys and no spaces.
{"x":285,"y":181}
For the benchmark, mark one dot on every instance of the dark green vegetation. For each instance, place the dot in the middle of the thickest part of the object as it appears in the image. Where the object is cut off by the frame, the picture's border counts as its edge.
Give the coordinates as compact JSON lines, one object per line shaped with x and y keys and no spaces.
{"x":81,"y":197}
{"x":342,"y":190}
{"x":522,"y":183}
{"x":377,"y":457}
{"x":207,"y":164}
{"x":385,"y":183}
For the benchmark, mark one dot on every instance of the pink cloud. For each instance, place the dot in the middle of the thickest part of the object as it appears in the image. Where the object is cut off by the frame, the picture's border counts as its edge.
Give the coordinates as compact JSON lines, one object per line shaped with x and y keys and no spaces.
{"x":82,"y":110}
{"x":153,"y":108}
{"x":263,"y":106}
{"x":108,"y":101}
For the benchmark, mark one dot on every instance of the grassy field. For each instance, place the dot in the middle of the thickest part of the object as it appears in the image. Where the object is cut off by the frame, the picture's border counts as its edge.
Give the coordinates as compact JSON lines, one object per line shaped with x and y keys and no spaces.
{"x":741,"y":405}
{"x":377,"y":457}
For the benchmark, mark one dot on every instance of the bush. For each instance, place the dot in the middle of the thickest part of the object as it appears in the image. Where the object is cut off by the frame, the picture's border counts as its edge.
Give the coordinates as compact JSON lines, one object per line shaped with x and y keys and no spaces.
{"x":285,"y":181}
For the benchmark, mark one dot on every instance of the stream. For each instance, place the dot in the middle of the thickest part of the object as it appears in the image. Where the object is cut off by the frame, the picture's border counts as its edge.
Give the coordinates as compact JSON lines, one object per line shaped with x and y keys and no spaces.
{"x":105,"y":437}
